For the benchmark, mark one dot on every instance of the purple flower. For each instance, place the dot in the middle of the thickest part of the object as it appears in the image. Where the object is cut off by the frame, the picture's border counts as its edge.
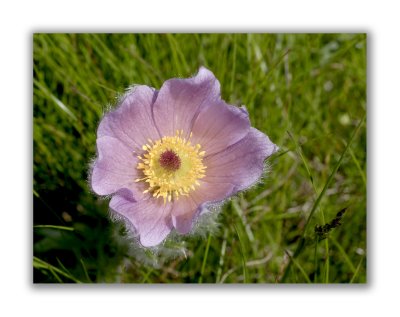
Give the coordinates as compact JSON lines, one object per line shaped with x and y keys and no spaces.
{"x":166,"y":155}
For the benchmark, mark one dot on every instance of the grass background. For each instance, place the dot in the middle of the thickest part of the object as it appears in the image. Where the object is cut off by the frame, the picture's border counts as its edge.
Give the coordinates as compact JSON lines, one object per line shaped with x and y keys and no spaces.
{"x":306,"y":91}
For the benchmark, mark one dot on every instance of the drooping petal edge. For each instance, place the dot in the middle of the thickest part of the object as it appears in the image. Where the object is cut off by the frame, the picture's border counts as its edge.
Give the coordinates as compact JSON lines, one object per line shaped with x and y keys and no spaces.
{"x":150,"y":218}
{"x":114,"y":167}
{"x":241,"y":164}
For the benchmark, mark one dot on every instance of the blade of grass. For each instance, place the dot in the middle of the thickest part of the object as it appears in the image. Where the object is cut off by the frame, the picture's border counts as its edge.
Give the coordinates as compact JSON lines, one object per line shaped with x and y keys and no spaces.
{"x":40,"y":264}
{"x":357,"y":270}
{"x":297,"y":264}
{"x":356,"y":162}
{"x":178,"y":57}
{"x":243,"y":256}
{"x":55,"y":99}
{"x":203,"y":266}
{"x":62,"y":266}
{"x":258,"y":262}
{"x":242,"y":217}
{"x":221,"y":257}
{"x":54,"y":227}
{"x":315,"y":260}
{"x":327,"y":262}
{"x":300,"y":153}
{"x":344,"y":254}
{"x":301,"y":243}
{"x":146,"y":276}
{"x":85,"y":271}
{"x":233,"y":65}
{"x":56,"y":276}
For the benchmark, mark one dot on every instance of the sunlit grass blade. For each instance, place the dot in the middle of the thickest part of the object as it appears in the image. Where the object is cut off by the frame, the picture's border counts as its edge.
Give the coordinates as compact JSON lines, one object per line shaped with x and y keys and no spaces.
{"x":55,"y":100}
{"x":55,"y":227}
{"x":55,"y":275}
{"x":40,"y":264}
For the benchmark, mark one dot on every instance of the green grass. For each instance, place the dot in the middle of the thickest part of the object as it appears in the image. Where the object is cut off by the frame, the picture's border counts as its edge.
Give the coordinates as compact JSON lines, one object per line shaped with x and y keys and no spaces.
{"x":306,"y":91}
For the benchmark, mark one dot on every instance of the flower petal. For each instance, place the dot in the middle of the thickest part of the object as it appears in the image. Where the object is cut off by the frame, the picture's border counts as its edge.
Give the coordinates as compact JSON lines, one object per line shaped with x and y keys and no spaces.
{"x":184,"y":212}
{"x":241,"y":164}
{"x":132,"y":122}
{"x":187,"y":208}
{"x":220,"y":126}
{"x":179,"y":101}
{"x":151,"y":218}
{"x":115,"y":167}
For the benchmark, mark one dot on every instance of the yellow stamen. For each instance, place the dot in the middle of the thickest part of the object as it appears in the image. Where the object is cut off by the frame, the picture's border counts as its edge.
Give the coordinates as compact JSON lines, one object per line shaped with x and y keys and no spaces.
{"x":170,"y":183}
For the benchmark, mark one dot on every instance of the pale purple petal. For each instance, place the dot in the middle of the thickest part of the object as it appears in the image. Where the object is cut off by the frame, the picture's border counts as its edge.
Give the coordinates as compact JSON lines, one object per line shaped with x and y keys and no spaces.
{"x":132,"y":122}
{"x":220,"y":126}
{"x":184,"y":211}
{"x":241,"y":164}
{"x":187,"y":208}
{"x":151,"y":218}
{"x":115,"y":169}
{"x":179,"y":101}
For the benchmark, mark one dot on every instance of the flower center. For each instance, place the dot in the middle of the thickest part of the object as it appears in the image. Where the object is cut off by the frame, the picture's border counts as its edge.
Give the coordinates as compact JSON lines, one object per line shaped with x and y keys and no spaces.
{"x":171,"y":166}
{"x":170,"y":160}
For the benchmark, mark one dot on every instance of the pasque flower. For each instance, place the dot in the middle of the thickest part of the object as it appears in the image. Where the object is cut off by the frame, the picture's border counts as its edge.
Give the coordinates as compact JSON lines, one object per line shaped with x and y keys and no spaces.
{"x":166,"y":155}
